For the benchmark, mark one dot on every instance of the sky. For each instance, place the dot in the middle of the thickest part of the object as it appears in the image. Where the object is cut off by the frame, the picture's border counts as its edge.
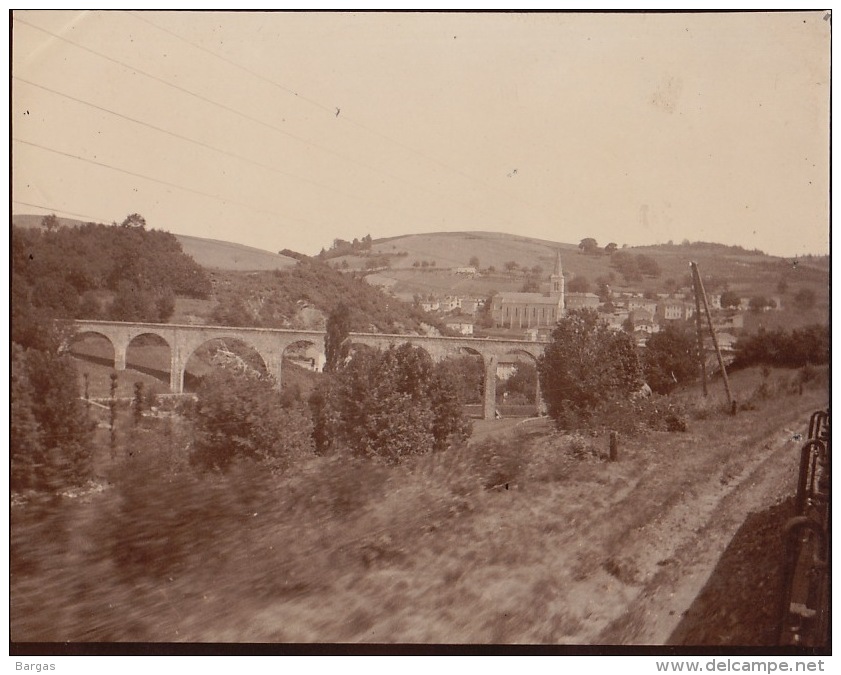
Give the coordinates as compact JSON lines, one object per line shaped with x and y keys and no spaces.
{"x":288,"y":130}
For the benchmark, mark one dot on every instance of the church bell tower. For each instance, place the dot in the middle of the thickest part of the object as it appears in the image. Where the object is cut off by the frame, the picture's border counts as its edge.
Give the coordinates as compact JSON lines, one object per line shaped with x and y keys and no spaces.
{"x":556,"y":284}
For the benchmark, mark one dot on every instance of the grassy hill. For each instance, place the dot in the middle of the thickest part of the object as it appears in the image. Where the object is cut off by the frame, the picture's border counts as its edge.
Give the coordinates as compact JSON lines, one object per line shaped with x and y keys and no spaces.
{"x":210,"y":253}
{"x":744,"y":272}
{"x":225,"y":255}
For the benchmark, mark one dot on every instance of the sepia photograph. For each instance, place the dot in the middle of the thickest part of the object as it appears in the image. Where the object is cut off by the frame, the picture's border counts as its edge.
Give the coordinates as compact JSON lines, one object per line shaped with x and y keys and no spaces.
{"x":420,"y":332}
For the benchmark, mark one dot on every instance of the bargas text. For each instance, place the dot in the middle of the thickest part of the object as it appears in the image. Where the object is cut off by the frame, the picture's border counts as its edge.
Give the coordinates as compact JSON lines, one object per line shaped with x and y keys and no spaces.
{"x":37,"y":667}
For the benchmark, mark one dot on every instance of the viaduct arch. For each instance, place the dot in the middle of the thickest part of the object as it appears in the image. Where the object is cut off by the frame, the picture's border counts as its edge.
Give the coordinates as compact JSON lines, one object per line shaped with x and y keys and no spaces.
{"x":271,"y":343}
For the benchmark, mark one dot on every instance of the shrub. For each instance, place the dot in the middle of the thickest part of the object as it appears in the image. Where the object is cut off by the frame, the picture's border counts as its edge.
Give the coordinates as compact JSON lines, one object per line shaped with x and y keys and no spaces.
{"x":390,"y":404}
{"x":51,"y":434}
{"x":241,"y":415}
{"x":801,"y":346}
{"x":669,"y":359}
{"x":585,"y":366}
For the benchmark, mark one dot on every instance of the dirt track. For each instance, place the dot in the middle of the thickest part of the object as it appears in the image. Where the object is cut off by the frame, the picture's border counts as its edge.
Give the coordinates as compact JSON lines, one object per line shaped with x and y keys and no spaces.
{"x":695,"y":533}
{"x":613,"y":554}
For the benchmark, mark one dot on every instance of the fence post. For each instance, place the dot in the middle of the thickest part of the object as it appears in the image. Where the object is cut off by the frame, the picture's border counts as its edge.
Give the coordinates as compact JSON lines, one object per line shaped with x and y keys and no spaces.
{"x":614,"y":446}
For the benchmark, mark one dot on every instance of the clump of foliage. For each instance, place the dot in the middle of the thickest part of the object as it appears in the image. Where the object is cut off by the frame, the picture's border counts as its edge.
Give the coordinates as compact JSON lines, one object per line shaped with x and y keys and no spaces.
{"x":799,"y":347}
{"x":51,"y":435}
{"x":469,"y":374}
{"x":240,"y":415}
{"x":669,"y":359}
{"x":805,"y":298}
{"x":388,"y":405}
{"x":65,"y":270}
{"x":341,"y":247}
{"x":335,"y":345}
{"x":274,"y":299}
{"x":635,"y":267}
{"x":521,"y":387}
{"x":586,"y":365}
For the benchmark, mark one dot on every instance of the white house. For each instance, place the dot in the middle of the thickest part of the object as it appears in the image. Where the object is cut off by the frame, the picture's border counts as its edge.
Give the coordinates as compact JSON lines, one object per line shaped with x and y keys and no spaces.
{"x":462,"y":326}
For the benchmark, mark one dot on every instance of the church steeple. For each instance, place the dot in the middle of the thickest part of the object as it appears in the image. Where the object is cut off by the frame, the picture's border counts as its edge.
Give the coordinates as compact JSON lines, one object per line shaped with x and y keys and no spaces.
{"x":557,"y":277}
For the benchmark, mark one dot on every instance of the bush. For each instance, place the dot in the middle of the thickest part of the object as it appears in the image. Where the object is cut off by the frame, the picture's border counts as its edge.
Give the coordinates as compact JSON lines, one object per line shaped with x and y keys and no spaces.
{"x":51,"y":434}
{"x":669,"y":359}
{"x":800,"y":347}
{"x":586,"y":366}
{"x":241,"y":415}
{"x":390,"y":404}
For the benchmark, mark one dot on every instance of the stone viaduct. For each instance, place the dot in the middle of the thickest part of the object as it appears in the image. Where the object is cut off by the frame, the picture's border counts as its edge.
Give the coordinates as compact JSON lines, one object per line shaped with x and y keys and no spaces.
{"x":271,"y":343}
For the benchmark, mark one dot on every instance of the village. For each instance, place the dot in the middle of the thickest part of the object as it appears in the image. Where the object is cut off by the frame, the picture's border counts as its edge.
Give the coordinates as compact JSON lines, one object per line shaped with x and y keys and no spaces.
{"x":532,"y":315}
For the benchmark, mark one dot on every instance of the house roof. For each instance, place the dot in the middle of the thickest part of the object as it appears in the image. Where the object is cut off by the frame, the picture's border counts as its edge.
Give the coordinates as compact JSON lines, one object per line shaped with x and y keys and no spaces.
{"x":531,"y":298}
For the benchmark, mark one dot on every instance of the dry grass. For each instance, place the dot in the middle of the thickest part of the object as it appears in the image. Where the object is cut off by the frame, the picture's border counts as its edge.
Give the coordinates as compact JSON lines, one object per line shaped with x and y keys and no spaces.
{"x":527,"y":538}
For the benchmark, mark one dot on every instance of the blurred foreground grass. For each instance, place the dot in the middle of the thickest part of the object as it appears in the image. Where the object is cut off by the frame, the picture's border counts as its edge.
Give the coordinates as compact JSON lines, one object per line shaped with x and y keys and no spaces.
{"x":524,"y":537}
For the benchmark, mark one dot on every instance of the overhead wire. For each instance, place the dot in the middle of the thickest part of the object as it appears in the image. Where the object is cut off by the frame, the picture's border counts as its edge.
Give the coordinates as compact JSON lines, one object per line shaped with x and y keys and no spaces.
{"x":55,"y":210}
{"x":198,"y":143}
{"x":224,"y":200}
{"x":321,"y":106}
{"x":179,"y":136}
{"x":243,"y":115}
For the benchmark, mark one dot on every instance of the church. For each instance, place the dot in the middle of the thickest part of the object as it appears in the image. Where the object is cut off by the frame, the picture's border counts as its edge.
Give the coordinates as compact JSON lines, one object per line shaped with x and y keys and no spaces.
{"x":531,"y":310}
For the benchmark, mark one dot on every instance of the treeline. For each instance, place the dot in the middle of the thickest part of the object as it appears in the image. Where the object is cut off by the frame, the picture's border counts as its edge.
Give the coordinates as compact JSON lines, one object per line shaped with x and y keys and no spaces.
{"x":341,"y":247}
{"x":710,"y":246}
{"x":274,"y":299}
{"x":95,"y":271}
{"x":800,"y":347}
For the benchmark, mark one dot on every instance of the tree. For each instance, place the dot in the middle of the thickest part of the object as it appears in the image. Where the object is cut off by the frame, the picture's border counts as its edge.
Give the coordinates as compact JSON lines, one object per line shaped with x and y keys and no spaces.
{"x":800,"y":347}
{"x":648,"y":266}
{"x":134,"y":220}
{"x":50,"y":431}
{"x":610,"y":249}
{"x":586,"y":365}
{"x":669,"y":359}
{"x":627,"y":265}
{"x":511,"y":266}
{"x":579,"y":284}
{"x":393,"y":403}
{"x":730,"y":299}
{"x":50,"y":222}
{"x":804,"y":298}
{"x":335,"y":340}
{"x":474,"y":261}
{"x":241,"y":416}
{"x":522,"y":384}
{"x":469,"y":372}
{"x":589,"y":246}
{"x":759,"y":303}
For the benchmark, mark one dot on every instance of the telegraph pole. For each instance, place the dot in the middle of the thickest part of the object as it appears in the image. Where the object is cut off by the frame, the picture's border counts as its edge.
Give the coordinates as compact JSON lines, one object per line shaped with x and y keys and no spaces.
{"x":699,"y":285}
{"x":702,"y":359}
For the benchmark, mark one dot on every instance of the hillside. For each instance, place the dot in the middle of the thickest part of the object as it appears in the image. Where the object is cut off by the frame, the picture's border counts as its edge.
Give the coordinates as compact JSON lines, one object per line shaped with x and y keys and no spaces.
{"x":225,"y":255}
{"x":210,"y":253}
{"x":424,"y":264}
{"x":411,"y":270}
